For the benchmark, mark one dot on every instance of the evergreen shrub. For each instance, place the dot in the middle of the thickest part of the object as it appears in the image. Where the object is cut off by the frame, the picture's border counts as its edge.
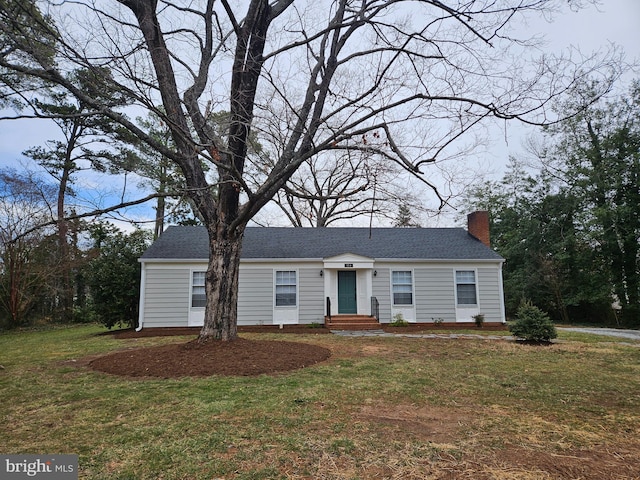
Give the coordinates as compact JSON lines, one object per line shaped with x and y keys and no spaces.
{"x":532,"y":324}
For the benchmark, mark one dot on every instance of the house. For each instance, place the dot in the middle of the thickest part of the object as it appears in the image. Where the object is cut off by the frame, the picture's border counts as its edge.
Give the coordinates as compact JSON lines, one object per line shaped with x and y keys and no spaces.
{"x":313,"y":275}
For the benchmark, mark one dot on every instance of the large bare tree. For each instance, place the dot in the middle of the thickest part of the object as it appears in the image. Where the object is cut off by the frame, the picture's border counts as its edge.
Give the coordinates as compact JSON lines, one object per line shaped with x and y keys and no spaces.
{"x":339,"y":187}
{"x":304,"y":76}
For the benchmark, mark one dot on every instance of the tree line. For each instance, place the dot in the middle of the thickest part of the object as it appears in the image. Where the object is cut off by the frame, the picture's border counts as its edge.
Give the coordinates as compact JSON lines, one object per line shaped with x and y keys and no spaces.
{"x":566,"y":220}
{"x":570,"y":231}
{"x":94,"y":277}
{"x":378,"y":87}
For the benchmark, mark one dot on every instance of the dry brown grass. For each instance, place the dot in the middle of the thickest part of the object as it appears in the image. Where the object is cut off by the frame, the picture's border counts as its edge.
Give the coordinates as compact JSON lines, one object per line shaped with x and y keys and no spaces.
{"x":379,"y":408}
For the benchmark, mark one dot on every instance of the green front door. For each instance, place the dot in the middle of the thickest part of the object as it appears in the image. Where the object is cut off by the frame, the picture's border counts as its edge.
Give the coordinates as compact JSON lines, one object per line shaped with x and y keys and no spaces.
{"x":347,"y":292}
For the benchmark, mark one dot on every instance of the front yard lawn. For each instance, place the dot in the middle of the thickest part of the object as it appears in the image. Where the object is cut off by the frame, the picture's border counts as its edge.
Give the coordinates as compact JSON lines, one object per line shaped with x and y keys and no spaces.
{"x":379,"y":407}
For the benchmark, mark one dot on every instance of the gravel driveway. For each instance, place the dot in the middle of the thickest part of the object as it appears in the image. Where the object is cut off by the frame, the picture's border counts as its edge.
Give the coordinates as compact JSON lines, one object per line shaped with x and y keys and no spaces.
{"x":610,"y":332}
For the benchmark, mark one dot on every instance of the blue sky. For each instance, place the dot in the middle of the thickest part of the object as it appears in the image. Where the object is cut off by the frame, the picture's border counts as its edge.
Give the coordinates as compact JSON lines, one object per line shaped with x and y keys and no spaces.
{"x":590,"y":29}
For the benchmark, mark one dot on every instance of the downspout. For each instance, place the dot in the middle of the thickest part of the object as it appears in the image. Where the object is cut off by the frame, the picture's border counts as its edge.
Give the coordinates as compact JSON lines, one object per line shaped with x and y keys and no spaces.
{"x":501,"y":288}
{"x":143,"y":281}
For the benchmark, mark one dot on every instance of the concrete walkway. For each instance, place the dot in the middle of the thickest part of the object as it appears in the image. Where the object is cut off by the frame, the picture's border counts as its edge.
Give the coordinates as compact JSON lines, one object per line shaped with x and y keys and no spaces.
{"x":382,"y":333}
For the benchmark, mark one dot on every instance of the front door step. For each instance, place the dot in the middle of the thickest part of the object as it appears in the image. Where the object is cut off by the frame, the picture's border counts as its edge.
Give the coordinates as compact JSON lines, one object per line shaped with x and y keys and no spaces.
{"x":351,"y":322}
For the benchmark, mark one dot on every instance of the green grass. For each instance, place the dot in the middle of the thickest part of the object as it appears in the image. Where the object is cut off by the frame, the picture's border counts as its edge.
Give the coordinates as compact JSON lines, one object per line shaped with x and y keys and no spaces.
{"x":379,"y":408}
{"x":460,"y":331}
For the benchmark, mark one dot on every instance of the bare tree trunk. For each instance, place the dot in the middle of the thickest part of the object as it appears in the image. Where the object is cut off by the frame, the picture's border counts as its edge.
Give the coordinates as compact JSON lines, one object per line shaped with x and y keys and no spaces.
{"x":221,"y":312}
{"x":163,"y":180}
{"x":14,"y":287}
{"x":65,"y":287}
{"x":159,"y":224}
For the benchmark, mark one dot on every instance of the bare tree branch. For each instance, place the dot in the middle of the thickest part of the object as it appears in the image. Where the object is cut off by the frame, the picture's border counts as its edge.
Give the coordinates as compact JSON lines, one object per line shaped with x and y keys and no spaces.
{"x":305,"y":79}
{"x":93,"y":213}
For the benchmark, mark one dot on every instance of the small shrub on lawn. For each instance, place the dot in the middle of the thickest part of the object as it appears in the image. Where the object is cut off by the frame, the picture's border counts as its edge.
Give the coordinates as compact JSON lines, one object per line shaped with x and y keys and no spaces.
{"x":533,"y":324}
{"x":399,"y":321}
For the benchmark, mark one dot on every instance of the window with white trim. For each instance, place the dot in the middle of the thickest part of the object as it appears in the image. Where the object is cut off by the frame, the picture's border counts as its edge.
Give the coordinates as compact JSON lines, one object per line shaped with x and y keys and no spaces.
{"x":198,"y":294}
{"x":286,"y":288}
{"x":402,"y":287}
{"x":466,"y":287}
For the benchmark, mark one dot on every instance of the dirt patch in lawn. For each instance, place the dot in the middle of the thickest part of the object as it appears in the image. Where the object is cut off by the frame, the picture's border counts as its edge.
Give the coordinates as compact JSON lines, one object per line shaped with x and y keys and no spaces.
{"x":439,"y":425}
{"x":609,"y":462}
{"x":241,"y":357}
{"x":448,"y":429}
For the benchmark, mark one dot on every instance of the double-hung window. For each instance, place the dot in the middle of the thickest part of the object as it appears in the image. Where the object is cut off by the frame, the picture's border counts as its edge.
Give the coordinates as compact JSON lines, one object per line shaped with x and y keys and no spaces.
{"x":286,"y":288}
{"x":466,"y":287}
{"x":402,"y":287}
{"x":198,"y":294}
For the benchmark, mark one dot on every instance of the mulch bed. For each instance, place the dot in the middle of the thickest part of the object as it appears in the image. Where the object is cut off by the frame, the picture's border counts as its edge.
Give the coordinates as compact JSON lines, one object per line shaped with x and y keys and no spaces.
{"x":299,"y":329}
{"x":174,"y":331}
{"x":241,"y":357}
{"x":431,"y":328}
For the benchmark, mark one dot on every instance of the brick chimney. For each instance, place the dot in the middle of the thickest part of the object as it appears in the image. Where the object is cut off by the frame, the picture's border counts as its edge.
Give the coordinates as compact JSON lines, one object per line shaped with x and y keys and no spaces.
{"x":478,"y":226}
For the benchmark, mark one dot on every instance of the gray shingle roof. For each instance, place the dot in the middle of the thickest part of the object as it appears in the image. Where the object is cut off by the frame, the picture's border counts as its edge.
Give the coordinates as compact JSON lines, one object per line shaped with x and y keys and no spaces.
{"x":191,"y":243}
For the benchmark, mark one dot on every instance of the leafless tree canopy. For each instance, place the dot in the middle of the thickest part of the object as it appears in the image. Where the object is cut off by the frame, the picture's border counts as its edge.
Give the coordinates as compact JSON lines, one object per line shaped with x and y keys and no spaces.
{"x":304,"y":77}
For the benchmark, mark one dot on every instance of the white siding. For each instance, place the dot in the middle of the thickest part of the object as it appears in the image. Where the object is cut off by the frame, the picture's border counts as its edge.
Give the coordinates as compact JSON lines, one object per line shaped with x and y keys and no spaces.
{"x":167,"y":294}
{"x":434,"y":289}
{"x":489,"y":293}
{"x":382,"y":291}
{"x":435,"y":294}
{"x":255,"y":296}
{"x":167,"y":297}
{"x":312,"y":298}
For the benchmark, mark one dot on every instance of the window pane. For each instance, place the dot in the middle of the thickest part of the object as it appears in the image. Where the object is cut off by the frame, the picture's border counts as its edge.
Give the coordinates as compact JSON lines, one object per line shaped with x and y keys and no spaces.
{"x":465,"y":276}
{"x":198,"y":300}
{"x":198,"y":278}
{"x":198,"y":290}
{"x":286,"y":278}
{"x":466,"y":294}
{"x":402,"y":286}
{"x":285,"y":299}
{"x":198,"y":297}
{"x":466,"y":287}
{"x":402,"y":278}
{"x":403,"y":298}
{"x":285,"y":288}
{"x":198,"y":294}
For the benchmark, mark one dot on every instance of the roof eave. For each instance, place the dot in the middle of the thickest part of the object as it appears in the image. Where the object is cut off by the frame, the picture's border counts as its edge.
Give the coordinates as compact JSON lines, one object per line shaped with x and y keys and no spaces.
{"x":314,"y":260}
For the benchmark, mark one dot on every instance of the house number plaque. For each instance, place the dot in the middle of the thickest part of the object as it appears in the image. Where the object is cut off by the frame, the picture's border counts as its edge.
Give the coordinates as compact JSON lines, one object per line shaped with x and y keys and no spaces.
{"x":348,"y":265}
